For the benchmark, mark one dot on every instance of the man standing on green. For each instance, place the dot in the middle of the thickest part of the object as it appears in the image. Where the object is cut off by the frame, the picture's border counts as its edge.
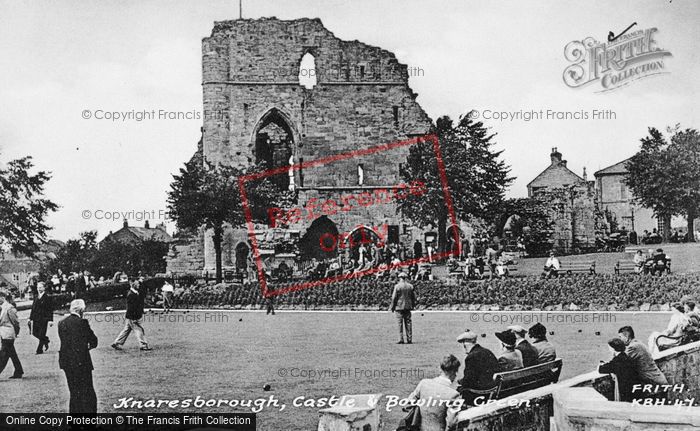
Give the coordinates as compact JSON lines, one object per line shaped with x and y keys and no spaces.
{"x":403,"y":299}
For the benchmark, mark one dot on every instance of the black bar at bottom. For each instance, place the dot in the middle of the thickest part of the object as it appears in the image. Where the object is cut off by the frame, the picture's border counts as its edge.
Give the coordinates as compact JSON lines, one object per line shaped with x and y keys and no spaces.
{"x":128,"y":421}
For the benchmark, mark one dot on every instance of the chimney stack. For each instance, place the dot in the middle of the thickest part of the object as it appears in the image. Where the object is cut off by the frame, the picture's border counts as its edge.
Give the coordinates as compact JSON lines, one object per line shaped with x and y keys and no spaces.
{"x":126,"y":223}
{"x":146,"y":225}
{"x":585,"y":175}
{"x":555,"y":157}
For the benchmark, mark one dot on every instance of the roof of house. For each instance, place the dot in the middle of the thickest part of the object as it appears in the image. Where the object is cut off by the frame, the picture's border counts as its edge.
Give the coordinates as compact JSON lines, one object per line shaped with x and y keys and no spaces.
{"x":616,"y":169}
{"x":574,"y":177}
{"x":144,"y":233}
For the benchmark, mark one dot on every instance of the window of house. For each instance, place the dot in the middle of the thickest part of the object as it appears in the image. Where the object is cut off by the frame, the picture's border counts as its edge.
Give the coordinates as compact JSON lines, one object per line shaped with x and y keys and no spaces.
{"x":623,"y":191}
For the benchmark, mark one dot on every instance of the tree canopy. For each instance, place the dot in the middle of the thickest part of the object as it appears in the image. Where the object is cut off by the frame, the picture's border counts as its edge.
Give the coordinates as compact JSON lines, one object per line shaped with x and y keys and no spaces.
{"x":207,"y":195}
{"x":477,"y":177}
{"x":23,"y":209}
{"x":665,"y":175}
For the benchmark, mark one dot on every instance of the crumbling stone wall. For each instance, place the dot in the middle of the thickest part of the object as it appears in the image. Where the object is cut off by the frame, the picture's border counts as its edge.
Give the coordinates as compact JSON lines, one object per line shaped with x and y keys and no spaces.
{"x":250,"y":71}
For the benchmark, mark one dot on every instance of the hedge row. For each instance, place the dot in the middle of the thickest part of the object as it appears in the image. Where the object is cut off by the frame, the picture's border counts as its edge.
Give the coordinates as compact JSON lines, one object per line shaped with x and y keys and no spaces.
{"x":594,"y":292}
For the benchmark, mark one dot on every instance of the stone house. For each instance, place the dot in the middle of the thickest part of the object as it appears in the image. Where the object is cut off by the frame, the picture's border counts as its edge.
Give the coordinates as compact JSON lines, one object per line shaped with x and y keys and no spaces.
{"x":615,"y":197}
{"x":573,"y":204}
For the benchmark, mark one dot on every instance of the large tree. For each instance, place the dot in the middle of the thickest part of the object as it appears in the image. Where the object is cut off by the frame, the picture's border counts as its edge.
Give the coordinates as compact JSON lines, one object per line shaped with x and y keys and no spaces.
{"x":476,"y":176}
{"x":665,"y":176}
{"x":207,"y":195}
{"x":23,"y":209}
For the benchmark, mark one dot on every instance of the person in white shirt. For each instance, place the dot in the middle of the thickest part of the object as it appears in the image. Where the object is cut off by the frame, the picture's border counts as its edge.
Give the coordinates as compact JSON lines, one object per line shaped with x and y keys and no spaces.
{"x":167,"y":291}
{"x":552,"y":266}
{"x":678,"y":323}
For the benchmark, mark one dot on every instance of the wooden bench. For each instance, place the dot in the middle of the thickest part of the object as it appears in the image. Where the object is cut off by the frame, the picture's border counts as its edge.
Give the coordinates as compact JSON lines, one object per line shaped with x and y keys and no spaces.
{"x":525,"y":379}
{"x":459,"y":274}
{"x":514,"y":382}
{"x":587,"y":266}
{"x":625,"y":266}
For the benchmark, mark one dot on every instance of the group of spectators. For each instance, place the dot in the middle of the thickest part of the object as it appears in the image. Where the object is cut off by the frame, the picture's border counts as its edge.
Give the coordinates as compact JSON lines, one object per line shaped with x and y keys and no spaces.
{"x":654,"y":262}
{"x":480,"y":365}
{"x":632,"y":364}
{"x":682,"y":328}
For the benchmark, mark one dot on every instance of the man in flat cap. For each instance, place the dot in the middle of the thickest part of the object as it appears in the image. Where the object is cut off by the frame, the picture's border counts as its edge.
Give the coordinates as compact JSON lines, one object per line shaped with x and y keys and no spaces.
{"x":529,"y":353}
{"x":403,"y":299}
{"x":480,"y":365}
{"x":510,"y":359}
{"x":545,"y":349}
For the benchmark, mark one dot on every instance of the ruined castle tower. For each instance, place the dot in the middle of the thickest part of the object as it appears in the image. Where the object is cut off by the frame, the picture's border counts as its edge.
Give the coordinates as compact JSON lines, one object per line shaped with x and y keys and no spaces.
{"x":261,"y":104}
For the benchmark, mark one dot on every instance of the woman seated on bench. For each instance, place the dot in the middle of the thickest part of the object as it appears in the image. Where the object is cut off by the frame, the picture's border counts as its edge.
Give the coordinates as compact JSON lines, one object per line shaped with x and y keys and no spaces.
{"x":676,"y":326}
{"x":511,"y":359}
{"x":639,"y":261}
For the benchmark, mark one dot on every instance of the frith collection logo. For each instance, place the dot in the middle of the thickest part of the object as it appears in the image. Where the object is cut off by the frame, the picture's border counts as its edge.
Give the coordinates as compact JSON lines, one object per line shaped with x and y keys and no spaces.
{"x":615,"y":63}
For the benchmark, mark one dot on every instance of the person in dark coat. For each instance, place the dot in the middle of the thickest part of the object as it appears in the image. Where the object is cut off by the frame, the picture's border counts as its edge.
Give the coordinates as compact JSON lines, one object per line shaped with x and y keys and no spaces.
{"x":622,"y":366}
{"x":74,"y":359}
{"x":417,"y":250}
{"x":81,"y":284}
{"x":134,"y":315}
{"x":40,"y":316}
{"x":403,"y":299}
{"x":528,"y":351}
{"x":479,"y":367}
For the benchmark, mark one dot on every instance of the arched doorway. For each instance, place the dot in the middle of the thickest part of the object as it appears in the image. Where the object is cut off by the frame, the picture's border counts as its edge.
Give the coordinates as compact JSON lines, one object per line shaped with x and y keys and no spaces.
{"x":274,"y":140}
{"x":363,"y":242}
{"x":242,"y":253}
{"x":320,"y":240}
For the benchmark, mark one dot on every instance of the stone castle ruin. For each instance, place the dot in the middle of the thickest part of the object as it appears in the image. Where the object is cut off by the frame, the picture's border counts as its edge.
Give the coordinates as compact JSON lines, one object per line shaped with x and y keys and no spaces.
{"x":261,"y":104}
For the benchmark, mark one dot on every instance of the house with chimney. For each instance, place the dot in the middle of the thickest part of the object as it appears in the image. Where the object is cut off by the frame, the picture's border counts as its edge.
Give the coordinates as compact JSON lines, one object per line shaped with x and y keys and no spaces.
{"x":133,"y":235}
{"x":573,"y":204}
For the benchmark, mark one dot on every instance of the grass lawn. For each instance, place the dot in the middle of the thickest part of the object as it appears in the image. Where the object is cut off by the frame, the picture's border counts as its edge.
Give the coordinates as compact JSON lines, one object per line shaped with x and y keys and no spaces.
{"x":232,"y":355}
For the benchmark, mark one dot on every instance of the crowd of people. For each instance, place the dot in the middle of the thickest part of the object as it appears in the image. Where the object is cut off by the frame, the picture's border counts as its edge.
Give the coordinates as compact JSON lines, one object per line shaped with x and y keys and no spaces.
{"x":76,"y":336}
{"x":480,"y":366}
{"x":631,"y":363}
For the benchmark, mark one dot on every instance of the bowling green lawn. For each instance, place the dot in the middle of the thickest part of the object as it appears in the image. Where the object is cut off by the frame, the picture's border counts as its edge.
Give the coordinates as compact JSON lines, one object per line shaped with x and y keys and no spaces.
{"x":233,"y":355}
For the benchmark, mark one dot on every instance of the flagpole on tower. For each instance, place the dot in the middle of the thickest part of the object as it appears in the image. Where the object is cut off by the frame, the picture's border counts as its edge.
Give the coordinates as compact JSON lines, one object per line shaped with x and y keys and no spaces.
{"x":240,"y":9}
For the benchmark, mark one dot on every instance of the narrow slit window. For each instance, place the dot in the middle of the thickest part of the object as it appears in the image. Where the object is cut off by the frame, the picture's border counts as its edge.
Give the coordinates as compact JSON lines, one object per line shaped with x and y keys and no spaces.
{"x":360,"y":175}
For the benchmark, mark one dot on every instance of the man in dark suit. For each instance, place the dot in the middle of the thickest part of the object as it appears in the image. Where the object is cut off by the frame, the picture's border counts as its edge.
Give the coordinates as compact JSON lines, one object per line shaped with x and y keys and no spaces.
{"x":529,"y":352}
{"x":74,"y":359}
{"x":81,"y":283}
{"x":623,"y":367}
{"x":403,"y":299}
{"x":479,"y":367}
{"x":134,"y":315}
{"x":40,"y":316}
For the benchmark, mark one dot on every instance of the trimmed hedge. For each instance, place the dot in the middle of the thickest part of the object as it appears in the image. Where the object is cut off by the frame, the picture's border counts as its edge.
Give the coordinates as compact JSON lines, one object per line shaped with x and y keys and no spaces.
{"x":592,"y":292}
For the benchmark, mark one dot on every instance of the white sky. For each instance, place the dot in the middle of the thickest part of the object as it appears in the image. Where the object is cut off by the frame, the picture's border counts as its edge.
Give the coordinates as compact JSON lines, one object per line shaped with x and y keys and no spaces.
{"x":58,"y":58}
